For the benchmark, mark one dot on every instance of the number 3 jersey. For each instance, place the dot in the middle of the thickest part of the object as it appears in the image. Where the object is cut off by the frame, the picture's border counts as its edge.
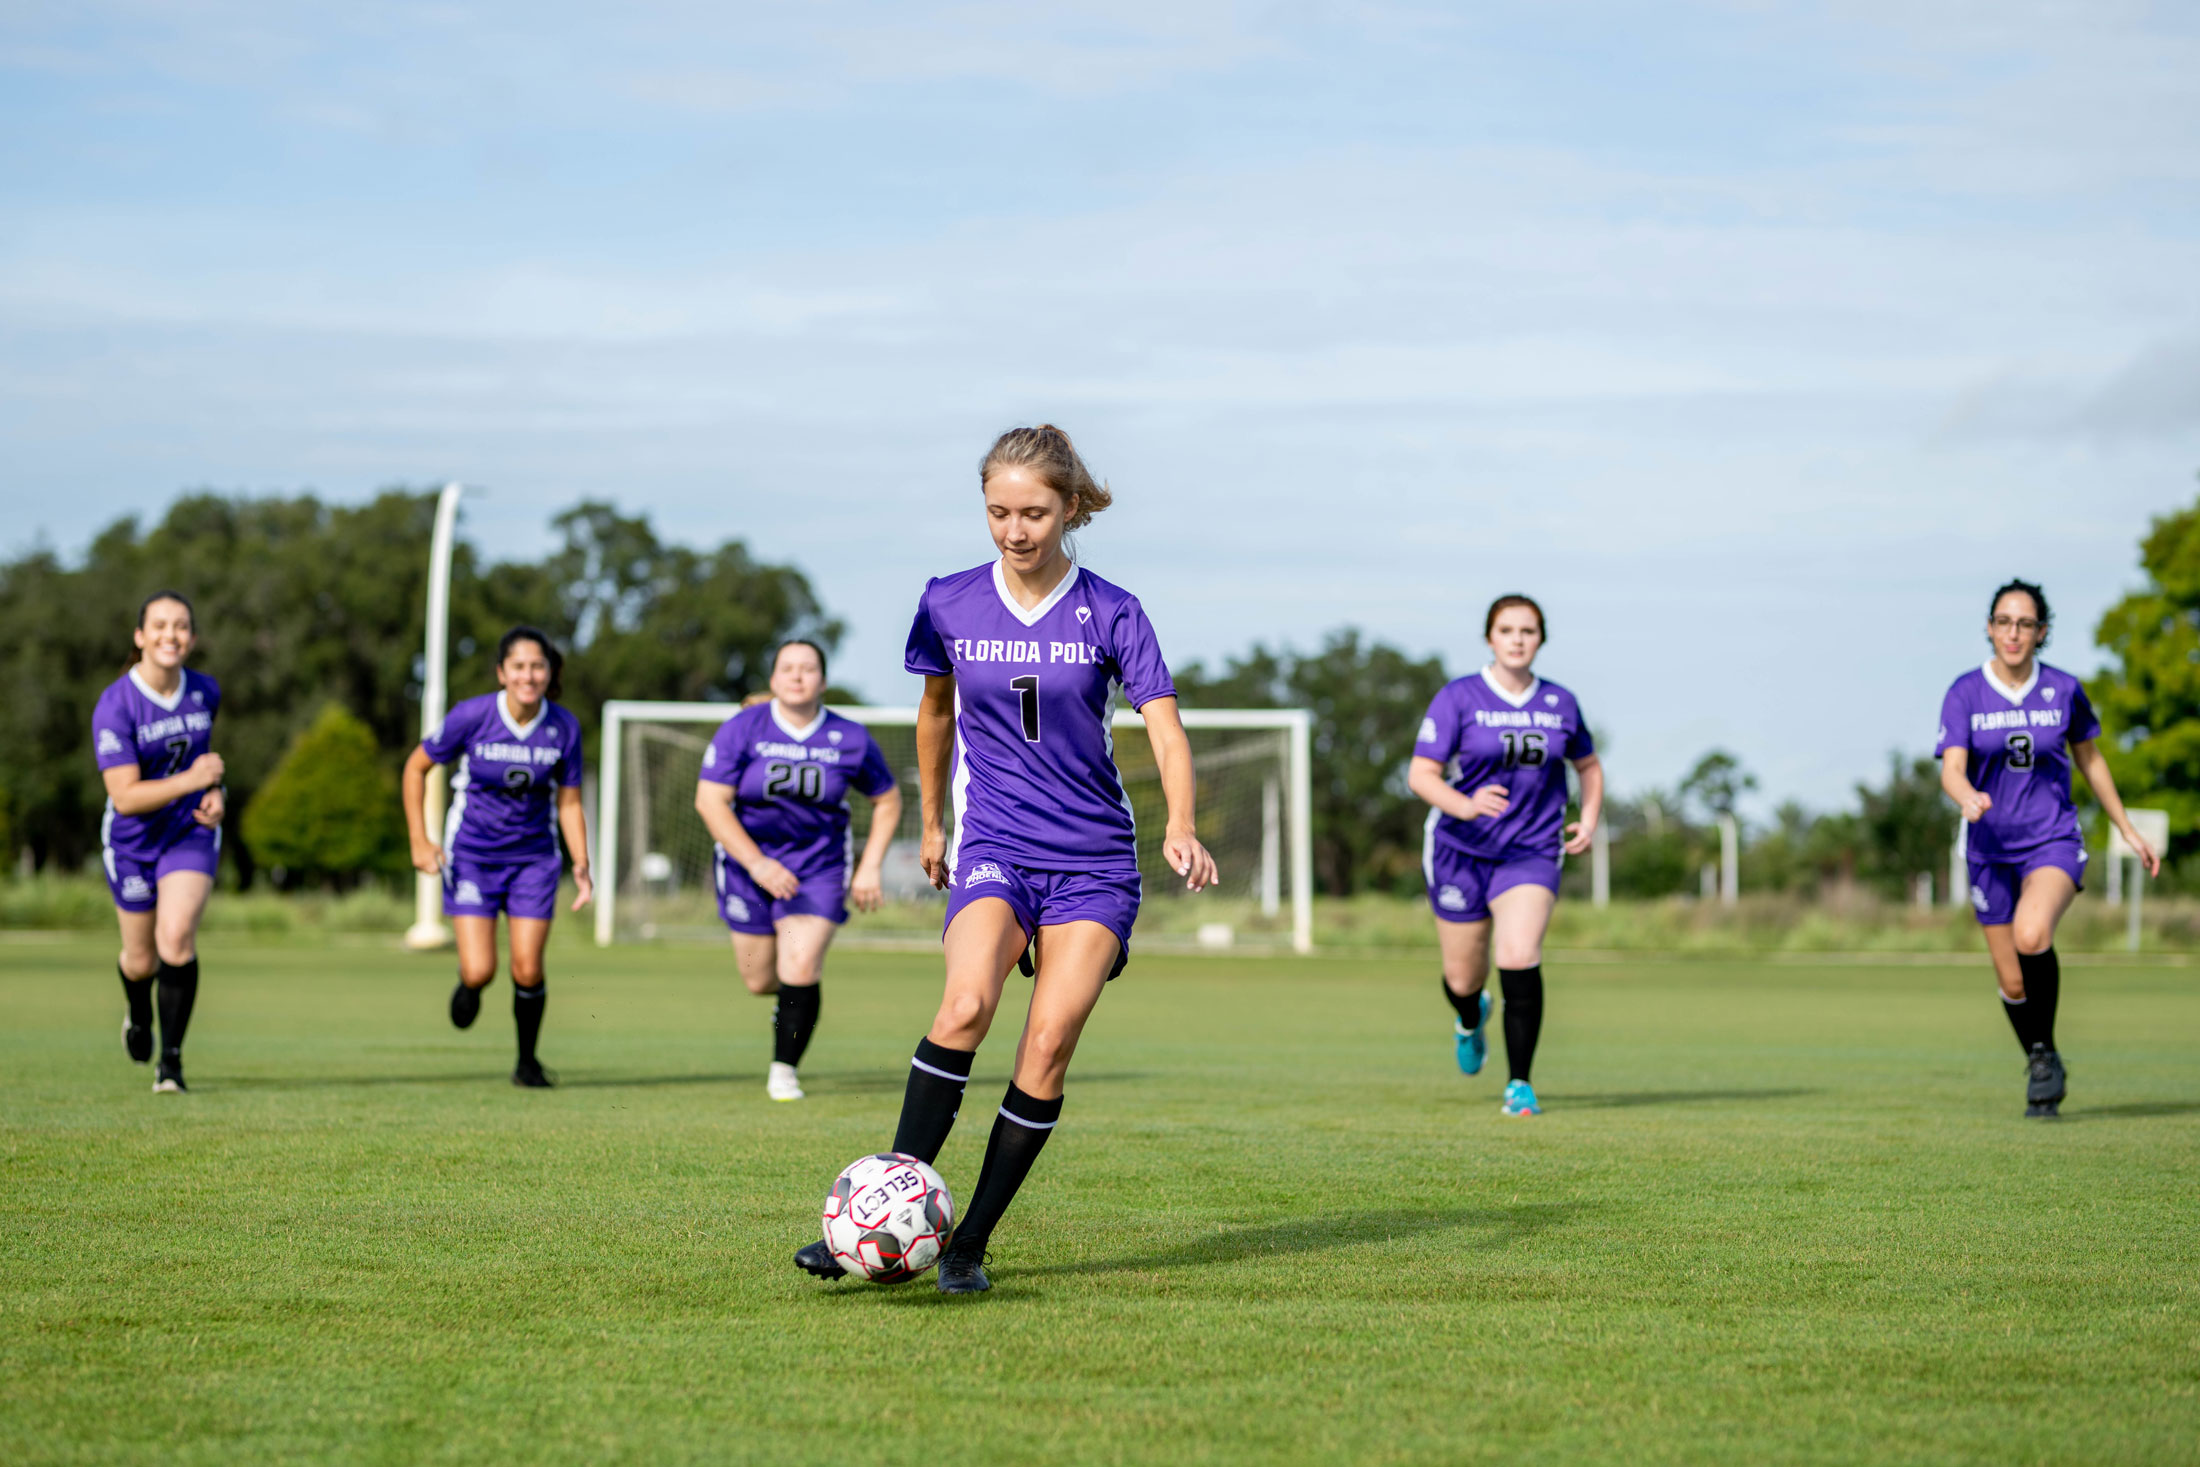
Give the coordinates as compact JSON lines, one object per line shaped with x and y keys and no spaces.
{"x":2019,"y":743}
{"x":504,"y":792}
{"x":1483,"y":735}
{"x":1035,"y":782}
{"x":131,"y":724}
{"x":790,"y":782}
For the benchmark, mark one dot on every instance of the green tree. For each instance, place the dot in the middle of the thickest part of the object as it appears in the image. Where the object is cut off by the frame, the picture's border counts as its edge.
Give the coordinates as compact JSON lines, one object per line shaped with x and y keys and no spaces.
{"x":1717,"y":783}
{"x":329,"y":812}
{"x":2149,"y":698}
{"x":1906,"y":825}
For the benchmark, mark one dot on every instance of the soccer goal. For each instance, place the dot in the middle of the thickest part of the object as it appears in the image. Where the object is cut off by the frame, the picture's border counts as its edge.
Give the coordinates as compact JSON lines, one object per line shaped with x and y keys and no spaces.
{"x":1255,"y":798}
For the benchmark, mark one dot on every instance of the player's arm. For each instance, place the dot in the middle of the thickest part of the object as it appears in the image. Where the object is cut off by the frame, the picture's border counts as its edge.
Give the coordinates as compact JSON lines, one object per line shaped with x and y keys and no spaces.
{"x":2086,"y":754}
{"x":427,"y":856}
{"x":1172,"y":751}
{"x":133,"y":794}
{"x":573,"y":825}
{"x":867,"y":891}
{"x":1582,"y":831}
{"x":935,"y":762}
{"x":1425,"y":777}
{"x":714,"y":802}
{"x":1955,"y":779}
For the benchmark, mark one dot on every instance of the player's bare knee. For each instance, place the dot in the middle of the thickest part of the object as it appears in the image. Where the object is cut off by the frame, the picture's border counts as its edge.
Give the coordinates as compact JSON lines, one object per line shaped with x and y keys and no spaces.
{"x":962,"y":1016}
{"x":1524,"y":955}
{"x":2033,"y":937}
{"x":138,"y":959}
{"x":1047,"y":1050}
{"x":762,"y":982}
{"x":526,"y":972}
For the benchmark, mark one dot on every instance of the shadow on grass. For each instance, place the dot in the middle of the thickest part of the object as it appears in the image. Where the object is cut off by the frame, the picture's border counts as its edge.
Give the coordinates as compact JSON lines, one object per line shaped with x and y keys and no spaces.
{"x":822,"y":1083}
{"x":2133,"y":1110}
{"x":1618,"y":1099}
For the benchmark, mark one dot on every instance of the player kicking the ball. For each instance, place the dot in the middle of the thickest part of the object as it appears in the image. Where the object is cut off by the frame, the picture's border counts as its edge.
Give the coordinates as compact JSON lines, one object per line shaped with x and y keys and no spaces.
{"x":519,"y":756}
{"x":1488,"y":761}
{"x":774,"y":796}
{"x":1020,"y":658}
{"x":2009,"y":733}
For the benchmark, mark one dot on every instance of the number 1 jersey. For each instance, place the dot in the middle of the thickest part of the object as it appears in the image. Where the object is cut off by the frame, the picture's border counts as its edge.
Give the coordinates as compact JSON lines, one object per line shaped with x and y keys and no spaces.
{"x":2019,"y":745}
{"x":790,"y":783}
{"x":1035,"y":782}
{"x":1482,"y":734}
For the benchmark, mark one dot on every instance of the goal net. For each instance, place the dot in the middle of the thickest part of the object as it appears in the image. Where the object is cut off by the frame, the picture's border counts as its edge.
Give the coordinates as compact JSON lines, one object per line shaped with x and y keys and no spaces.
{"x":1254,"y":797}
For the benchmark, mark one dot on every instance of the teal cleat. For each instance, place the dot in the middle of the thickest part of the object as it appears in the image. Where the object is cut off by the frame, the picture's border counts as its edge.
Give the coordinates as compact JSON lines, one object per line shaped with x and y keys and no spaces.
{"x":1520,"y":1099}
{"x":1473,"y":1045}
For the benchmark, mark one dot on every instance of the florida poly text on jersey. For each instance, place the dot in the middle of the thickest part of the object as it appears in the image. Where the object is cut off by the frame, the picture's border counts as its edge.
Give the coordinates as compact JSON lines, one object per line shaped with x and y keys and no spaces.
{"x":791,"y":782}
{"x":2017,"y":743}
{"x":1035,"y":782}
{"x":132,"y":724}
{"x":503,"y":793}
{"x":1485,"y":735}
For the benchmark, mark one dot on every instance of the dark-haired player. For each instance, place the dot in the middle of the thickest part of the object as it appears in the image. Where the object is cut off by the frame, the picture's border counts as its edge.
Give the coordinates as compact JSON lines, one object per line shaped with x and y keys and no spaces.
{"x":1491,"y":762}
{"x":1020,"y":659}
{"x":2010,"y":732}
{"x":518,"y":785}
{"x":161,"y":838}
{"x":774,"y":796}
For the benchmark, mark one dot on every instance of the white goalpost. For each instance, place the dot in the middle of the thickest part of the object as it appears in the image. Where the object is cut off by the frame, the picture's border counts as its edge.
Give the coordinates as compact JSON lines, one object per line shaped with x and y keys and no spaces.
{"x":1255,"y":773}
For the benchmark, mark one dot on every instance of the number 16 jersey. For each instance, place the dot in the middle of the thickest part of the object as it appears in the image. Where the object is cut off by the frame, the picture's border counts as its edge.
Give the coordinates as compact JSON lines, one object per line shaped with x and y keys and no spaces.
{"x":1482,"y":734}
{"x":1035,"y":782}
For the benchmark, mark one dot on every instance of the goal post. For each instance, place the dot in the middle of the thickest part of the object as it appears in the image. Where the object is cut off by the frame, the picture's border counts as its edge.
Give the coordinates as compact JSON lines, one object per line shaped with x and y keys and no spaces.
{"x":1255,"y":773}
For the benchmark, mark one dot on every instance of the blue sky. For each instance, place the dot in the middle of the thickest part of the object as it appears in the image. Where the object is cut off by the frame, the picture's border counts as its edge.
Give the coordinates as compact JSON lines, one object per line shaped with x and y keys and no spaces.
{"x":1759,"y":341}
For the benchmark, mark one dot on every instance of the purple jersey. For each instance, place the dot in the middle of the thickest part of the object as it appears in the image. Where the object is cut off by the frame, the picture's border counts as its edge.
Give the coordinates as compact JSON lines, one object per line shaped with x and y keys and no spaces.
{"x":1035,"y":782}
{"x":503,"y":805}
{"x":1482,"y":734}
{"x":131,"y":724}
{"x":791,"y":782}
{"x":2019,"y":743}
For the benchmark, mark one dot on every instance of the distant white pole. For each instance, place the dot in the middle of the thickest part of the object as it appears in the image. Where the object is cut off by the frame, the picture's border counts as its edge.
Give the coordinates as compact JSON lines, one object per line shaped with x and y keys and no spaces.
{"x":1271,"y":848}
{"x":1959,"y":870}
{"x":2131,"y":908}
{"x":1730,"y":861}
{"x":2115,"y":891}
{"x":1600,"y":866}
{"x":1301,"y":825}
{"x":428,"y":930}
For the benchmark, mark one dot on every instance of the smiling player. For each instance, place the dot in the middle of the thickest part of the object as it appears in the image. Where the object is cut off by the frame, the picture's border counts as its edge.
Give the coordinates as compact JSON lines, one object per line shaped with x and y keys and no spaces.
{"x":1489,"y":763}
{"x":518,"y":786}
{"x":2010,"y":732}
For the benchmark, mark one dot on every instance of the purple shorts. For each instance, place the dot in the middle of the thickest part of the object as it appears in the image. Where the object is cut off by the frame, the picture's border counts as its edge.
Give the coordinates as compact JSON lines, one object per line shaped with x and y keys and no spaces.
{"x":1049,"y":898}
{"x":1460,"y":886}
{"x":524,"y":888}
{"x":747,"y":907}
{"x":135,"y":880}
{"x":1995,"y":885}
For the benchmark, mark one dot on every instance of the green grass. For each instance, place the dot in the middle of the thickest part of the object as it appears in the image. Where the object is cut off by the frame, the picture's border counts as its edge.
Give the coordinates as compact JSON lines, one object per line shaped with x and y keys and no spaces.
{"x":1774,"y":1214}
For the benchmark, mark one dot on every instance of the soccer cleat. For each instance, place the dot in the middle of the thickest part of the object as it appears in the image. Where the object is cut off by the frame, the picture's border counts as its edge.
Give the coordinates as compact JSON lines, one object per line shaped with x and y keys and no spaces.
{"x":818,"y":1259}
{"x":168,"y":1078}
{"x":2044,"y":1083}
{"x":962,"y":1271}
{"x":1520,"y":1099}
{"x":781,"y":1084}
{"x":137,"y":1042}
{"x":1473,"y":1045}
{"x":529,"y":1075}
{"x":465,"y":1006}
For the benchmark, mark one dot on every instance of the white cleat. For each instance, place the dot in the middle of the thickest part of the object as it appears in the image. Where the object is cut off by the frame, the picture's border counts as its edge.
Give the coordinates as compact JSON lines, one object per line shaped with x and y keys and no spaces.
{"x":782,"y":1084}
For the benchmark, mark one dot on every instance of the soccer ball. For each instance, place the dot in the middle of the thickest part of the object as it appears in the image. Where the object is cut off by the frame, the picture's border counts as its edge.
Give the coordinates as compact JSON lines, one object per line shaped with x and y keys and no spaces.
{"x":887,"y":1217}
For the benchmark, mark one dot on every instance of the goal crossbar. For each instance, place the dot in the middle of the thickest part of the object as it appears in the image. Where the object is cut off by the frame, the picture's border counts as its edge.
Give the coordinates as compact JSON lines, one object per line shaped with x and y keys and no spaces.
{"x":1296,"y":724}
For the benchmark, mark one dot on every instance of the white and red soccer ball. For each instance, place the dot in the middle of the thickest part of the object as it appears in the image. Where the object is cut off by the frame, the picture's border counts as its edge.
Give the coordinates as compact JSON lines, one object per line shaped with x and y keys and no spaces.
{"x":887,"y":1218}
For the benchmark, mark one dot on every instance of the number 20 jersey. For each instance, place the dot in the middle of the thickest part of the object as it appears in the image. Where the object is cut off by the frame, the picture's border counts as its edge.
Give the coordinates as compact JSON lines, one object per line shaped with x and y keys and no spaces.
{"x":790,"y":784}
{"x":1482,"y":734}
{"x":131,"y":724}
{"x":2019,"y":744}
{"x":1035,"y":782}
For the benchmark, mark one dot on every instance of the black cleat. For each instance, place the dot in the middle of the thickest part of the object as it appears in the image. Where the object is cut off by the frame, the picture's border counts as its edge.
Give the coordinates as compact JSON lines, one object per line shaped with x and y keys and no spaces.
{"x":2044,"y":1083}
{"x":529,"y":1075}
{"x":137,"y":1042}
{"x":465,"y":1006}
{"x":168,"y":1077}
{"x":818,"y":1259}
{"x":963,"y":1271}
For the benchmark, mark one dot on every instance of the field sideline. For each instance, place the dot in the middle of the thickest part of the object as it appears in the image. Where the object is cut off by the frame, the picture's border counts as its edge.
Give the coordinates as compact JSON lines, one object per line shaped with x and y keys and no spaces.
{"x":1774,"y":1214}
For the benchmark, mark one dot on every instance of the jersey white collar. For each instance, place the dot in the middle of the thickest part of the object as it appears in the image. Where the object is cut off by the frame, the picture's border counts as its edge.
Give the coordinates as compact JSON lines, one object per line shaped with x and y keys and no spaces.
{"x":167,"y":704}
{"x":1518,"y":700}
{"x":2015,"y":695}
{"x":1054,"y":597}
{"x":797,"y":734}
{"x":520,"y":730}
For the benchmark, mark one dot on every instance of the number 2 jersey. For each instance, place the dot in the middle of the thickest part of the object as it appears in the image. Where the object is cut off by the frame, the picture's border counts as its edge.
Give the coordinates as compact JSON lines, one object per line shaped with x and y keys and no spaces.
{"x":504,"y":794}
{"x":131,"y":724}
{"x":1035,"y":782}
{"x":1482,"y":734}
{"x":2019,"y":743}
{"x":790,"y":784}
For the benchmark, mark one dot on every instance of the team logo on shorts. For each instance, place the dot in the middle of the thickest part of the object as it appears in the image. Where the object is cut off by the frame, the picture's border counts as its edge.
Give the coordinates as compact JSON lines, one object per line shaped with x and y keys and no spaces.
{"x":737,"y":909}
{"x":986,"y":871}
{"x":108,"y":743}
{"x":1978,"y":897}
{"x":1451,"y":899}
{"x":134,"y":889}
{"x":468,"y":894}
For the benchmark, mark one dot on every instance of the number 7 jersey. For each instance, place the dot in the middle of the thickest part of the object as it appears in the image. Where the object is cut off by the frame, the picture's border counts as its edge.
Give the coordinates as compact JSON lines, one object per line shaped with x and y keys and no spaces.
{"x":1035,"y":782}
{"x":1482,"y":735}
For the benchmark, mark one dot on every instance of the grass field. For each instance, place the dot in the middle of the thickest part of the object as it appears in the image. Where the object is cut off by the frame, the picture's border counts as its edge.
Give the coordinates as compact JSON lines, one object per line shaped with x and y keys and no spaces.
{"x":1774,"y":1214}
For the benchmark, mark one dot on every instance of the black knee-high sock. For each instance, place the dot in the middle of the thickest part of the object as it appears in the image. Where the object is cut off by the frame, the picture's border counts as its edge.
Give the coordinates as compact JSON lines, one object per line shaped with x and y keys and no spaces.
{"x":1468,"y":1005}
{"x":1523,"y":1017}
{"x":138,"y":993}
{"x":2042,"y":990}
{"x":794,"y":1020}
{"x":1020,"y":1133}
{"x":2019,"y":1013}
{"x":179,"y":990}
{"x":527,"y":1007}
{"x":936,"y":1079}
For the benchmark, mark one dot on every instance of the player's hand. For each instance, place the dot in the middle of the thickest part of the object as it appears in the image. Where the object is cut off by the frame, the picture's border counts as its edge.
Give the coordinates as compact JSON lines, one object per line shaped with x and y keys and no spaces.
{"x":2143,"y":851}
{"x":778,"y":882}
{"x":427,"y":857}
{"x":1487,"y":803}
{"x":932,"y":856}
{"x":865,"y":893}
{"x":1189,"y":859}
{"x":584,"y":887}
{"x":205,"y":771}
{"x":1579,"y":835}
{"x":1977,"y":805}
{"x":211,"y":806}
